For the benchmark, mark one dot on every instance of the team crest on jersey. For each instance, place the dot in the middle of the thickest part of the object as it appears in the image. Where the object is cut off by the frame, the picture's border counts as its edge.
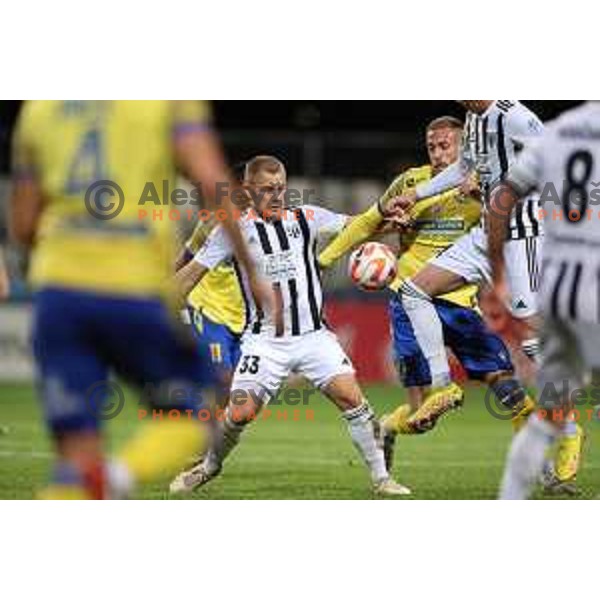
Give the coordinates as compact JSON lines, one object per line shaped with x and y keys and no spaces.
{"x":294,"y":230}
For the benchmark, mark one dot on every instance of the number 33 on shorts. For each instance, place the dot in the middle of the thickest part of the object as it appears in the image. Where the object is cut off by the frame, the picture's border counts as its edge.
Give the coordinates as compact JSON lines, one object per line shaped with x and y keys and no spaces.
{"x":249,"y":363}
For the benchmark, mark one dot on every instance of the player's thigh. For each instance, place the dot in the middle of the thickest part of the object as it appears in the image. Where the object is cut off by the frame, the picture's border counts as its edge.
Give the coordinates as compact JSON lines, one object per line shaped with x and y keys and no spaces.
{"x":72,"y":374}
{"x":561,"y":361}
{"x":260,"y":371}
{"x":465,"y":261}
{"x":479,"y":350}
{"x":320,"y":357}
{"x":522,"y":259}
{"x":411,"y":364}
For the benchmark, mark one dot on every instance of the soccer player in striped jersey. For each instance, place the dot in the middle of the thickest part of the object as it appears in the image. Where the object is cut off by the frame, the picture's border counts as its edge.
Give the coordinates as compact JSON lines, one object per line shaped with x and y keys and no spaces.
{"x":437,"y":223}
{"x":291,"y":335}
{"x":102,"y":278}
{"x":567,"y":156}
{"x":494,"y":132}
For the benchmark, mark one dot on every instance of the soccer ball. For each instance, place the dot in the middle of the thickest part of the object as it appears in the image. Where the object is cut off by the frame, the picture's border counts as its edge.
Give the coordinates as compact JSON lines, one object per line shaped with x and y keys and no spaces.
{"x":372,"y":266}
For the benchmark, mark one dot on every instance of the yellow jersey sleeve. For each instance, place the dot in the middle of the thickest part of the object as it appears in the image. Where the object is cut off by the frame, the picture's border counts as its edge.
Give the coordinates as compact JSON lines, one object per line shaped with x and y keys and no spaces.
{"x":360,"y":229}
{"x":198,"y":237}
{"x":396,"y":188}
{"x":191,"y":115}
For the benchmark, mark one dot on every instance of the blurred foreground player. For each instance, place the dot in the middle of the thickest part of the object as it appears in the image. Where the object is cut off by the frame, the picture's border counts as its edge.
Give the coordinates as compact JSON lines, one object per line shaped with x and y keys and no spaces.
{"x":101,"y":277}
{"x":568,"y":157}
{"x":4,"y":280}
{"x":215,"y":308}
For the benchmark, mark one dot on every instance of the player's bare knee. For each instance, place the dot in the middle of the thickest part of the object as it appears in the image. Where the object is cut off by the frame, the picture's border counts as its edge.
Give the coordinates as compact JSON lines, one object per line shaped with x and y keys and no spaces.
{"x":344,"y":392}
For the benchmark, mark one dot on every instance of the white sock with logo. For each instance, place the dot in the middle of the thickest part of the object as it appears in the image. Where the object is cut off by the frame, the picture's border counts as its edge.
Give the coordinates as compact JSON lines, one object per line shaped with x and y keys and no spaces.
{"x":361,"y":427}
{"x":428,"y":330}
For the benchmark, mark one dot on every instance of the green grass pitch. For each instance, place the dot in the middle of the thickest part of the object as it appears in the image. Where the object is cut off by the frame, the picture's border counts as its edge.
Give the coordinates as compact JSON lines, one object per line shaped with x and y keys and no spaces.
{"x":305,"y":459}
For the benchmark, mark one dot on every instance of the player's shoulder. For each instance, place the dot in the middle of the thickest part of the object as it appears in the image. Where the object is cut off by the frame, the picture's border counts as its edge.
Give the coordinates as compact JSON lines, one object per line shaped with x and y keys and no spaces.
{"x":415,"y":175}
{"x":586,"y":115}
{"x":409,"y":179}
{"x":520,"y":118}
{"x":34,"y":113}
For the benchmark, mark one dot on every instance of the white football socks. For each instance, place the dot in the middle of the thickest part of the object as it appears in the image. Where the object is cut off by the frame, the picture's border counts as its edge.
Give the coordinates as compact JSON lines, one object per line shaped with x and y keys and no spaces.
{"x":526,"y":458}
{"x":428,"y":331}
{"x":362,"y":431}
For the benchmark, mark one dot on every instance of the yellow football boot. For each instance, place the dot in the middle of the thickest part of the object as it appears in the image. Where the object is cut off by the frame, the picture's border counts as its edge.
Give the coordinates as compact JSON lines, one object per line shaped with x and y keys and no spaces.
{"x":561,"y":479}
{"x":437,"y":403}
{"x":521,"y":413}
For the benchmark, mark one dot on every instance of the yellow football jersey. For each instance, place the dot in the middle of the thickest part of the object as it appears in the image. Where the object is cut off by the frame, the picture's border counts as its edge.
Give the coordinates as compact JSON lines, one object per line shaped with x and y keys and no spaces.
{"x":439,"y":222}
{"x":218,"y":295}
{"x":71,"y":146}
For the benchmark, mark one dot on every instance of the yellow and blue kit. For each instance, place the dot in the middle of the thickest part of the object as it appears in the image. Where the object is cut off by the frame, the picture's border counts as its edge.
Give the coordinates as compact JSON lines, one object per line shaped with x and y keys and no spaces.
{"x":437,"y":223}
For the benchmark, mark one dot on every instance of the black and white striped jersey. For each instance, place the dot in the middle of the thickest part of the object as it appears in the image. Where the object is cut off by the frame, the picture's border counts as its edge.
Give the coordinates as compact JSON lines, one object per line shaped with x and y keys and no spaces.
{"x":565,"y":162}
{"x":285,"y":255}
{"x":490,"y":144}
{"x":491,"y":141}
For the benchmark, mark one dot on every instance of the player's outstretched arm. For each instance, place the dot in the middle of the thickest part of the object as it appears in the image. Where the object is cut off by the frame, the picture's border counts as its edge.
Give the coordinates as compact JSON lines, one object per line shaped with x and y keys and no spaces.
{"x":26,"y":200}
{"x":451,"y":177}
{"x":4,"y":281}
{"x":358,"y":230}
{"x":502,"y":201}
{"x":364,"y":226}
{"x":199,"y":156}
{"x":187,"y":278}
{"x":523,"y":177}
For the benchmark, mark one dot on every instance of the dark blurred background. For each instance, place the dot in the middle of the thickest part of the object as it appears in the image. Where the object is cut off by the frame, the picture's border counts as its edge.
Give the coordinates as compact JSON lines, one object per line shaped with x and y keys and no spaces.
{"x":320,"y":138}
{"x":346,"y":150}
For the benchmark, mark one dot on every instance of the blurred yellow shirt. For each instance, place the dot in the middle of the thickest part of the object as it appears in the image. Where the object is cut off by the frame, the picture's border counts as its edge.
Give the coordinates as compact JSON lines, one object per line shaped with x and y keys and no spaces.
{"x":69,"y":146}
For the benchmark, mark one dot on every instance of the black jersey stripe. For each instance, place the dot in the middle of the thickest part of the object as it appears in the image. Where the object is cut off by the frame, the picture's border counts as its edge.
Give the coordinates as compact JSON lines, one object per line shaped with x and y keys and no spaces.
{"x":265,"y":243}
{"x":263,"y":236}
{"x":293,"y":289}
{"x":484,"y":134}
{"x":238,"y":274}
{"x":284,"y":243}
{"x":312,"y":299}
{"x":535,"y":226}
{"x":558,"y":282}
{"x":532,"y":263}
{"x":278,"y":310}
{"x":502,"y":156}
{"x":574,"y":295}
{"x":519,"y":221}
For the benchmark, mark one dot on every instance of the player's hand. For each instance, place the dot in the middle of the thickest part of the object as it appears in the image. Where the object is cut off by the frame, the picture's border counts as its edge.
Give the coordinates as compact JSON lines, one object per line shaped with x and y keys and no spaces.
{"x":397,"y":209}
{"x":395,"y":225}
{"x":470,"y":186}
